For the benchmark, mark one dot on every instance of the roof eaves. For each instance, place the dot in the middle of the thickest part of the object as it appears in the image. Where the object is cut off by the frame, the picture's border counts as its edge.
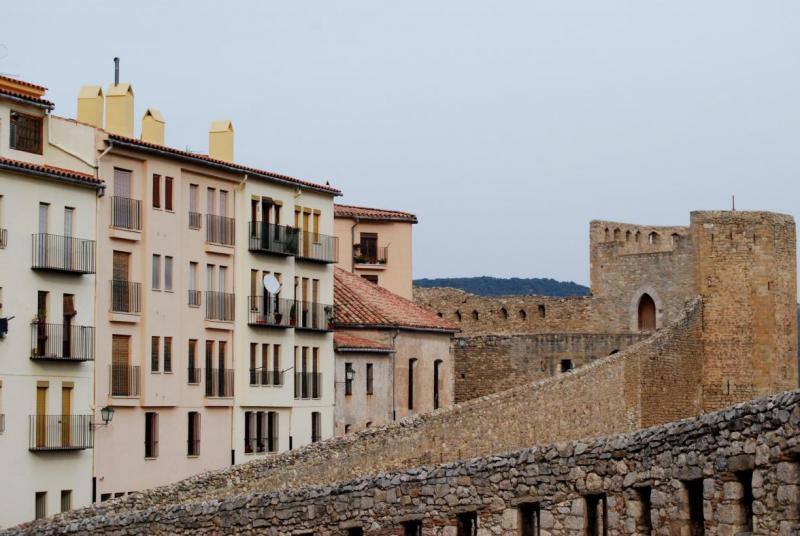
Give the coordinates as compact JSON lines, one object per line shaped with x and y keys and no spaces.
{"x":24,"y":99}
{"x":401,"y":327}
{"x":43,"y":172}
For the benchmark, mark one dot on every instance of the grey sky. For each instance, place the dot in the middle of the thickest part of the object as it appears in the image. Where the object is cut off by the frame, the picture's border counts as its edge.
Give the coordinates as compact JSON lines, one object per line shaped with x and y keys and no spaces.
{"x":505,"y":126}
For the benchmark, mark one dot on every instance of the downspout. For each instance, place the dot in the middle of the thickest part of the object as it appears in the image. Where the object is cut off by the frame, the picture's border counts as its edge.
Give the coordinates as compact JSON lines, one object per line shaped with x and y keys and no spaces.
{"x":394,"y":383}
{"x":240,"y":188}
{"x":352,"y":244}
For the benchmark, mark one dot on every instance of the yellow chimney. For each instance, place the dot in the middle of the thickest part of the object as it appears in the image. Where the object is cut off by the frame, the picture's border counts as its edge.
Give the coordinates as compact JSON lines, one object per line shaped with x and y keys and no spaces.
{"x":90,"y":105}
{"x":119,"y":109}
{"x":220,"y":140}
{"x":153,"y":127}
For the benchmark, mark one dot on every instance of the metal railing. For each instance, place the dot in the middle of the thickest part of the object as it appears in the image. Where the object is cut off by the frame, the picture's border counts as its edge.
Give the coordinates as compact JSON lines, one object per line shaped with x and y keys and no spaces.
{"x":220,"y":230}
{"x":2,"y":422}
{"x":194,"y":298}
{"x":220,"y":306}
{"x":60,"y":432}
{"x":61,"y":342}
{"x":262,"y":376}
{"x":125,"y":296}
{"x":379,"y":256}
{"x":126,"y":213}
{"x":124,"y":380}
{"x":195,"y":220}
{"x":269,"y":310}
{"x":271,"y":238}
{"x":260,"y":444}
{"x":62,"y":254}
{"x":318,"y":247}
{"x":3,"y":238}
{"x":193,"y":375}
{"x":219,"y":383}
{"x":314,"y":316}
{"x":193,"y":447}
{"x":308,"y":385}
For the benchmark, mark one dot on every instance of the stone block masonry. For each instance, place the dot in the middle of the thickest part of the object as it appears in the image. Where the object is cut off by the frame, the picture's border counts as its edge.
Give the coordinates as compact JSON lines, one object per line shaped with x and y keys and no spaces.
{"x":730,"y":472}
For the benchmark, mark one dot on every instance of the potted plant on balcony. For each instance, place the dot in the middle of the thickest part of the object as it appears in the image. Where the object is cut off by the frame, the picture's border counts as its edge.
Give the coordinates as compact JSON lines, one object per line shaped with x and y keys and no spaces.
{"x":328,"y":314}
{"x":293,"y":314}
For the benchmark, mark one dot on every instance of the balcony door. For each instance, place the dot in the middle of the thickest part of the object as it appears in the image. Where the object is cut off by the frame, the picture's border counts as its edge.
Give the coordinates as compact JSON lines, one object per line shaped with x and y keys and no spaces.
{"x":69,"y":215}
{"x":122,"y":183}
{"x":306,"y":237}
{"x":68,"y":313}
{"x":41,"y":323}
{"x":121,"y":296}
{"x":41,"y":415}
{"x":369,"y":247}
{"x":120,"y":365}
{"x":44,"y":210}
{"x":66,"y":411}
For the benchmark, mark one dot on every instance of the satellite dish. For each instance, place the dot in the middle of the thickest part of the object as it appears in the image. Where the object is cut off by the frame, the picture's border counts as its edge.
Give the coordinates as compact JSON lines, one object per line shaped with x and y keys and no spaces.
{"x":271,"y":284}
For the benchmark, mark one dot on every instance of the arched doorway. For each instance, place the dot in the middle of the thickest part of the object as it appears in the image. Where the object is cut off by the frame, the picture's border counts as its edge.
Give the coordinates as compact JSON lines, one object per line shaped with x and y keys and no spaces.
{"x":647,"y":313}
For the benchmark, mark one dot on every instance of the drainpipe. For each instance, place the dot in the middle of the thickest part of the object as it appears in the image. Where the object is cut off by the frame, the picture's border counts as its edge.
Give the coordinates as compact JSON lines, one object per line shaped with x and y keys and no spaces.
{"x":394,"y":384}
{"x":353,"y":243}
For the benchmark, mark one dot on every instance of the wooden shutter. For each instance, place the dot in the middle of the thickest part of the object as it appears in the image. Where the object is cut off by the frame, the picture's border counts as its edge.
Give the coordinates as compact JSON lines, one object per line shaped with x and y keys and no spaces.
{"x":156,"y":191}
{"x":120,"y":350}
{"x":168,"y":193}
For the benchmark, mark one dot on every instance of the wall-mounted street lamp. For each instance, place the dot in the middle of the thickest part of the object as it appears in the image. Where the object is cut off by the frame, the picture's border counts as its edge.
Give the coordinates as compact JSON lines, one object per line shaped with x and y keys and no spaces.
{"x":107,"y":414}
{"x":349,"y":375}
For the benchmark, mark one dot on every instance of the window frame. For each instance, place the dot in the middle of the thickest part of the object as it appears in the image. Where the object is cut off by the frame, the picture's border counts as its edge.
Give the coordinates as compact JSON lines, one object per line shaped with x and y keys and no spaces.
{"x":13,"y":134}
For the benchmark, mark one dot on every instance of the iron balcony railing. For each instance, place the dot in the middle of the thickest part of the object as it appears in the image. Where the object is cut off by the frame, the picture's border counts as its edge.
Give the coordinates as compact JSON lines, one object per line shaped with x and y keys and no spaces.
{"x":2,"y":422}
{"x":370,"y":256}
{"x":126,"y":213}
{"x":260,"y":444}
{"x":126,"y":297}
{"x":308,"y":385}
{"x":61,"y":342}
{"x":318,"y":247}
{"x":262,"y":376}
{"x":3,"y":238}
{"x":220,"y":230}
{"x":219,"y":383}
{"x":220,"y":306}
{"x":269,"y":310}
{"x":195,"y":220}
{"x":62,"y":254}
{"x":60,"y":432}
{"x":271,"y":238}
{"x":314,"y":316}
{"x":193,"y":375}
{"x":194,"y":298}
{"x":193,"y":447}
{"x":124,"y":380}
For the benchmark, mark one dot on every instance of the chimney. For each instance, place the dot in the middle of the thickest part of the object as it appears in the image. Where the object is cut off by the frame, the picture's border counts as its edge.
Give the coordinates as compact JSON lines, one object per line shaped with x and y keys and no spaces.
{"x":153,"y":127}
{"x":90,"y":105}
{"x":119,"y":109}
{"x":220,"y":140}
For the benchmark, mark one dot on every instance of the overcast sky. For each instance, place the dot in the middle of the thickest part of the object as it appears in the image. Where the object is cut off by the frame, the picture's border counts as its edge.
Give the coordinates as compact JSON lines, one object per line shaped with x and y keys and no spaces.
{"x":505,"y":126}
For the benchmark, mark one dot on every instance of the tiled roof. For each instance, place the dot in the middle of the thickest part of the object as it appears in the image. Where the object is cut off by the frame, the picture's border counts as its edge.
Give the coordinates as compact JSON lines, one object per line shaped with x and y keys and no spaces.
{"x":366,"y":213}
{"x":203,"y":158}
{"x":346,"y":342}
{"x":51,"y":171}
{"x":25,"y":97}
{"x":359,"y":303}
{"x":35,"y":87}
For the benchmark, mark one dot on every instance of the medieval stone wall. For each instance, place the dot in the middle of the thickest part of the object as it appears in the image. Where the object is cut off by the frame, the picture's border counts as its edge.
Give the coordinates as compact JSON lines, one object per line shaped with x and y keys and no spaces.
{"x":724,"y":473}
{"x":492,"y":363}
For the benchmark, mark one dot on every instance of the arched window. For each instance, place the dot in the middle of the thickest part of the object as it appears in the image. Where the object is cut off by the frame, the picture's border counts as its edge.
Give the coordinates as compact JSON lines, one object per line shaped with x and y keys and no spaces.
{"x":437,"y":374}
{"x":607,"y":235}
{"x":412,"y":364}
{"x":675,"y":239}
{"x":627,"y":236}
{"x":617,"y":234}
{"x":647,"y":313}
{"x":458,"y":315}
{"x":475,"y":315}
{"x":503,"y":313}
{"x":638,"y":236}
{"x":522,"y":314}
{"x":653,"y":238}
{"x":542,"y":311}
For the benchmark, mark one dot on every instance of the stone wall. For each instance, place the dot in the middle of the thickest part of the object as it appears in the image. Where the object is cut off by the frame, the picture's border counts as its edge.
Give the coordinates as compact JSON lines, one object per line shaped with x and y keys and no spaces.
{"x":735,"y":471}
{"x":492,"y":363}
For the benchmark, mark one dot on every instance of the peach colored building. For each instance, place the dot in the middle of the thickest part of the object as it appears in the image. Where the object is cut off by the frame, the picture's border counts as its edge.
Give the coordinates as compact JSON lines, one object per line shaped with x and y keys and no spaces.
{"x":393,"y":357}
{"x":376,"y":245}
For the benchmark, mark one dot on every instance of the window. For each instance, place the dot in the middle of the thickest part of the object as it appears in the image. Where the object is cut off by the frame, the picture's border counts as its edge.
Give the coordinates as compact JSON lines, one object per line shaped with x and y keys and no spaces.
{"x":168,"y":273}
{"x":248,"y":431}
{"x":504,"y":313}
{"x":41,"y":504}
{"x":644,"y":523}
{"x":194,"y":372}
{"x":596,"y":515}
{"x":194,"y":294}
{"x":348,"y":383}
{"x":475,"y":315}
{"x":272,"y":431}
{"x":168,"y":193}
{"x":316,"y":426}
{"x":745,"y":479}
{"x":368,"y":248}
{"x":467,"y":524}
{"x":193,"y":434}
{"x":167,"y":354}
{"x":542,"y":310}
{"x":369,"y":379}
{"x":529,"y":519}
{"x":156,"y":191}
{"x":412,"y":528}
{"x":347,"y":428}
{"x":437,"y":374}
{"x":66,"y":500}
{"x":566,"y":365}
{"x":156,"y":272}
{"x":25,"y":133}
{"x":371,"y":278}
{"x":151,"y":434}
{"x":355,"y":531}
{"x":412,"y":363}
{"x":104,"y":497}
{"x":694,"y":496}
{"x":368,"y":424}
{"x":154,"y":354}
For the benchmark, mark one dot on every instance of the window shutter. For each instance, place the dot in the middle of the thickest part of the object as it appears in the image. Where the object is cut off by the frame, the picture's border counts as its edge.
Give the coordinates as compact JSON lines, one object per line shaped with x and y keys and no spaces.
{"x":168,"y":193}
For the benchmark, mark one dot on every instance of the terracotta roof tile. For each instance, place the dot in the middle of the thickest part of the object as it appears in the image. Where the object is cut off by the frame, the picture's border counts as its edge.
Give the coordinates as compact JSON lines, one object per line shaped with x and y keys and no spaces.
{"x":23,"y":96}
{"x":56,"y":172}
{"x":346,"y":341}
{"x":238,"y":167}
{"x":352,"y":211}
{"x":361,"y":303}
{"x":31,"y":85}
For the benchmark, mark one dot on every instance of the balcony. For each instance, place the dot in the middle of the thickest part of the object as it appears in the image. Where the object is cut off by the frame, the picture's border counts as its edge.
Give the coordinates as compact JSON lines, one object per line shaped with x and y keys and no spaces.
{"x":376,"y":257}
{"x":194,"y":298}
{"x":220,"y":306}
{"x":124,"y":381}
{"x":61,"y":342}
{"x":126,"y":213}
{"x":271,"y":311}
{"x":317,"y":247}
{"x":63,"y":254}
{"x":220,"y":230}
{"x":308,"y":385}
{"x":126,"y":297}
{"x":195,"y":220}
{"x":60,"y":432}
{"x":3,"y":238}
{"x":219,"y":383}
{"x":193,"y":375}
{"x":261,"y":376}
{"x":314,"y":316}
{"x":260,"y":444}
{"x":276,"y":239}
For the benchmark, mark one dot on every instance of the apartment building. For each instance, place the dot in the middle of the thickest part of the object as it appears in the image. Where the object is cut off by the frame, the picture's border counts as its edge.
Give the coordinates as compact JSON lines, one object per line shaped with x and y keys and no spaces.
{"x":48,"y":195}
{"x":376,"y":245}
